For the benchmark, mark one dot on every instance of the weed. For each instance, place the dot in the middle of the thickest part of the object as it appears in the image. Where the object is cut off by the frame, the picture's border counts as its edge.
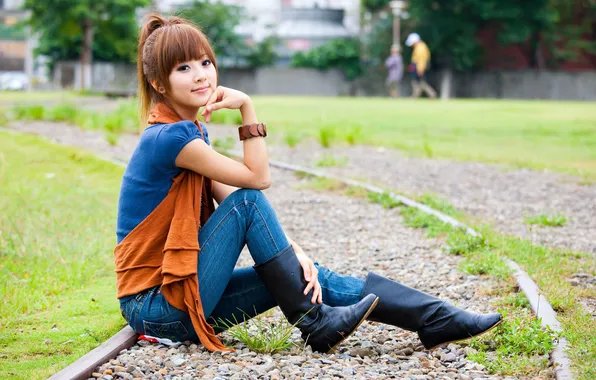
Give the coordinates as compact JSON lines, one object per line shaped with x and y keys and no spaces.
{"x":259,"y":334}
{"x":384,"y":199}
{"x":292,"y":139}
{"x":331,"y":160}
{"x":352,"y":134}
{"x":224,"y":144}
{"x":554,"y":220}
{"x":326,"y":136}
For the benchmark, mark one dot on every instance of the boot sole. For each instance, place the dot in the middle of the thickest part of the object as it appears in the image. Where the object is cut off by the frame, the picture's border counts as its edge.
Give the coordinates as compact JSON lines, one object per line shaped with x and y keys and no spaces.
{"x":370,"y":309}
{"x":466,"y":338}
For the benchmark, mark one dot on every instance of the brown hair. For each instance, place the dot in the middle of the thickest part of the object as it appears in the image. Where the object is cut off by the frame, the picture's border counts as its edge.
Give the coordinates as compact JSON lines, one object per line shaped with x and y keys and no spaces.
{"x":164,"y":43}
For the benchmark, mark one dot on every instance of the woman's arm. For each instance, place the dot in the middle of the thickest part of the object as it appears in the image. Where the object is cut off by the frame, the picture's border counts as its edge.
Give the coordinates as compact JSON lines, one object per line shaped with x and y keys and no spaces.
{"x":197,"y":156}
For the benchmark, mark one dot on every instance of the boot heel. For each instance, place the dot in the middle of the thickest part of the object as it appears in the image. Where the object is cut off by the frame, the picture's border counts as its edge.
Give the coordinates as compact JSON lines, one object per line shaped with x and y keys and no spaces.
{"x":370,"y":309}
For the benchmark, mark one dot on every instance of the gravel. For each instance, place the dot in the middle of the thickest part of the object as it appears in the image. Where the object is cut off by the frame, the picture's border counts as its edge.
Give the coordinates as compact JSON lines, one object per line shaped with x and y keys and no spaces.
{"x":348,"y":235}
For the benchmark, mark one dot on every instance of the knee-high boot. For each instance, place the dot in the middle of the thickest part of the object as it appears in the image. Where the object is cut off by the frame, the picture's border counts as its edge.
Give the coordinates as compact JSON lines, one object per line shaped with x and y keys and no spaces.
{"x":436,"y":321}
{"x":323,"y":327}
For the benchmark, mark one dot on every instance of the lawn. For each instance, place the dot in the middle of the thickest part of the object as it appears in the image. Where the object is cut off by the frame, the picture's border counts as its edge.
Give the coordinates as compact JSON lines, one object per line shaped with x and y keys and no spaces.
{"x":537,"y":134}
{"x":553,"y":135}
{"x":56,"y":242}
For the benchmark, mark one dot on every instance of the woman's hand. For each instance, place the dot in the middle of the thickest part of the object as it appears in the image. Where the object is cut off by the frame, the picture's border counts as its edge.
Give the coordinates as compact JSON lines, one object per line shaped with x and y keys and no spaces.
{"x":311,"y":274}
{"x":224,"y":97}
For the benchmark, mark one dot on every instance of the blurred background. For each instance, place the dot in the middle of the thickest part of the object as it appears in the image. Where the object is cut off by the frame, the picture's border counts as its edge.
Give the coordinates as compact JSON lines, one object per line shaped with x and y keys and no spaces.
{"x":489,"y":49}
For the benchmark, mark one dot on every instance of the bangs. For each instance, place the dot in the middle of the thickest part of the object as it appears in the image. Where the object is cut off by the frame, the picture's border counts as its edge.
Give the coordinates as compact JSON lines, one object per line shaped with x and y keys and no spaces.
{"x":181,"y":43}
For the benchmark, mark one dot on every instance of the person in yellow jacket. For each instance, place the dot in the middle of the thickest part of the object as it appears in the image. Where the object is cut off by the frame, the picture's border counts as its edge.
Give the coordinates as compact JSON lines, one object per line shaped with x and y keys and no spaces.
{"x":418,"y":66}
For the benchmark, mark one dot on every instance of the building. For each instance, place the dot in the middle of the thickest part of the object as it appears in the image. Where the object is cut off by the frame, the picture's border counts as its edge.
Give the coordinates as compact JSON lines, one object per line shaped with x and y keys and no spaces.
{"x":13,"y":45}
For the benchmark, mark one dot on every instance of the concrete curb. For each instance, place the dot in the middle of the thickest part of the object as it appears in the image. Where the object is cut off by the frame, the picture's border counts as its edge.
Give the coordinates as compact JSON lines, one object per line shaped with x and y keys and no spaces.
{"x":83,"y":367}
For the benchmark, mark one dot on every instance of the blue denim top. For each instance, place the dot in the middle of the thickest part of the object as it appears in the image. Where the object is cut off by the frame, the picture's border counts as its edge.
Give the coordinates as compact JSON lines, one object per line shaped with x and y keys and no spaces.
{"x":148,"y":176}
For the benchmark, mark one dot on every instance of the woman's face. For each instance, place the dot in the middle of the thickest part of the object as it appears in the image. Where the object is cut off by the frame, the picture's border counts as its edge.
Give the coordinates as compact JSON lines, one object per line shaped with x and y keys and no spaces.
{"x":192,"y":83}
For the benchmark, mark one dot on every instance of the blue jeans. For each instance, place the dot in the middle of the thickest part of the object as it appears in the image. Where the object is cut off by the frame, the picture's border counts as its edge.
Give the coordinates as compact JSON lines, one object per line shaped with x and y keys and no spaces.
{"x":244,"y":217}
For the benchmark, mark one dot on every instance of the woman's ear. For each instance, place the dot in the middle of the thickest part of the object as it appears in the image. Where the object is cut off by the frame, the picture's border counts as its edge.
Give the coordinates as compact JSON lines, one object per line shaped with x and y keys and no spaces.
{"x":157,"y":87}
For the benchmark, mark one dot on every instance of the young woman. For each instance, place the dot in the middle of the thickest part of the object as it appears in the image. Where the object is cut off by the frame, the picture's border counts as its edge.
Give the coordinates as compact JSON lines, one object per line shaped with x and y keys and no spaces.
{"x":176,"y":253}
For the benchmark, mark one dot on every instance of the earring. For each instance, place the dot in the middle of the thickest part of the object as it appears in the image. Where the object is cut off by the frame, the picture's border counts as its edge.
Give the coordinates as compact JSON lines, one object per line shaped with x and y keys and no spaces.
{"x":162,"y":90}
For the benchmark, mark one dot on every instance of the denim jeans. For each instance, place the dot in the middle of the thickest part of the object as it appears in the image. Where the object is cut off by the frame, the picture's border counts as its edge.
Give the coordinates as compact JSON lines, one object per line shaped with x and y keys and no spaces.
{"x":245,"y":217}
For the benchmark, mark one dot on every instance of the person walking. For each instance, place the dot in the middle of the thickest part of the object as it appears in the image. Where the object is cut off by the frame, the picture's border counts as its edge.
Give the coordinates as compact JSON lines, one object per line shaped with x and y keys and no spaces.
{"x":176,"y":255}
{"x":419,"y":65}
{"x":395,"y":71}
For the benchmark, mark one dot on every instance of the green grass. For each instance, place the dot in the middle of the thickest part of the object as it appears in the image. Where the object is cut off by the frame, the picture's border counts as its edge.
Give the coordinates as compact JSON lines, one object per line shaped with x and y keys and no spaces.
{"x":124,"y":119}
{"x":555,"y":220}
{"x":331,"y":160}
{"x":56,"y":245}
{"x":552,"y":135}
{"x":259,"y":334}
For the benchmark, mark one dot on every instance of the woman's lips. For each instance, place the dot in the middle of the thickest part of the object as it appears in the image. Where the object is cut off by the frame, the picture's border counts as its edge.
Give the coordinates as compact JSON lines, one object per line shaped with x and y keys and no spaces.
{"x":201,"y":90}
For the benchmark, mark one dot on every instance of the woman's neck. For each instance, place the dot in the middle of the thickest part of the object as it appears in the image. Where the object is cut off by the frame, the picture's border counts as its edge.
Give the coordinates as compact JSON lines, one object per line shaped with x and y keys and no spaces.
{"x":185,"y":113}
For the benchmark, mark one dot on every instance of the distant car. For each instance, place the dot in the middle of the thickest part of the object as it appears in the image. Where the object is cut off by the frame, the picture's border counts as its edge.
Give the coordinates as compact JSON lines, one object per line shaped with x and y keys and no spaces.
{"x":13,"y":81}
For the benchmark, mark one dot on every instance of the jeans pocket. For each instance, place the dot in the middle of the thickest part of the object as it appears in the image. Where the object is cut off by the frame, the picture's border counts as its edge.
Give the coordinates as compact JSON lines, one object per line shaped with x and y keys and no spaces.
{"x":170,"y":330}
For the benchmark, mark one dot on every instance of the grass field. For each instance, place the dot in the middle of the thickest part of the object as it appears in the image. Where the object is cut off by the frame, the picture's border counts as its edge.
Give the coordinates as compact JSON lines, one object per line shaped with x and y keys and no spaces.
{"x":56,"y":240}
{"x":559,"y":136}
{"x":538,"y":134}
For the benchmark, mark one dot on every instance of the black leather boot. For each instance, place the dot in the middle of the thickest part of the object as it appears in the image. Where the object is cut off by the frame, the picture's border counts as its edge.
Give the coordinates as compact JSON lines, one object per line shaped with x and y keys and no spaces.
{"x":436,"y":321}
{"x":323,"y":327}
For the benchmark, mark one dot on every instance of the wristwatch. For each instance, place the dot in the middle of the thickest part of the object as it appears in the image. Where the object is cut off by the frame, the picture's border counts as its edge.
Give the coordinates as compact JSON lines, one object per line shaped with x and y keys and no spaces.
{"x":252,"y":130}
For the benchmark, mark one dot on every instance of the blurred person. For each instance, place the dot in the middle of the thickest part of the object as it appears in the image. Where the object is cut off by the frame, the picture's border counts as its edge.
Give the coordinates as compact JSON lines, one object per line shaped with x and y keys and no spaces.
{"x":176,"y":254}
{"x":395,"y":70}
{"x":419,"y":65}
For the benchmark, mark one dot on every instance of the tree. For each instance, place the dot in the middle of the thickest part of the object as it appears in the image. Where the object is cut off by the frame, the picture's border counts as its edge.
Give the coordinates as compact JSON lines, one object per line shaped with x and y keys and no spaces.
{"x":343,"y":54}
{"x":70,"y":29}
{"x":218,"y":21}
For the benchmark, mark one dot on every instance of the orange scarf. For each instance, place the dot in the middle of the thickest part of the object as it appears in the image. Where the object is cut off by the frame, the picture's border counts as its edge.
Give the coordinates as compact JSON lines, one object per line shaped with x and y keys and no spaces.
{"x":164,"y":248}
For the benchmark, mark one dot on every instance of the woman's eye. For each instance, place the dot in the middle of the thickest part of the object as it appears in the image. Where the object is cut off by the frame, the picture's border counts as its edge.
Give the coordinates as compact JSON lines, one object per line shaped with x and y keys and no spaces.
{"x":183,"y":67}
{"x":206,"y":62}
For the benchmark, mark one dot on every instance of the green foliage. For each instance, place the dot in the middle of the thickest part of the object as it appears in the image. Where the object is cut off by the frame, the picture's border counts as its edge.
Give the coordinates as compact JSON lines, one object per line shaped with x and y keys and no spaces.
{"x":262,"y":53}
{"x":226,"y":117}
{"x":292,"y":139}
{"x":555,"y":220}
{"x":384,"y":199}
{"x":12,"y":32}
{"x":327,"y":134}
{"x":484,"y":262}
{"x":224,"y":144}
{"x":375,"y":5}
{"x":343,"y":54}
{"x":462,"y":243}
{"x":258,"y":334}
{"x":60,"y":28}
{"x":521,"y":344}
{"x":352,"y":134}
{"x":218,"y":20}
{"x":331,"y":160}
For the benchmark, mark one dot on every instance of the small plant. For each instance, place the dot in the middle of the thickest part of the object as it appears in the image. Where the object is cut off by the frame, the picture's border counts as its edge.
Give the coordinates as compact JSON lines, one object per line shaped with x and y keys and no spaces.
{"x":64,"y":112}
{"x":356,"y":192}
{"x":352,"y":134}
{"x":224,"y":144}
{"x":326,"y":136}
{"x":258,"y":334}
{"x":384,"y":199}
{"x":29,"y":112}
{"x":112,"y":138}
{"x":461,"y":243}
{"x":484,"y":262}
{"x":226,"y":117}
{"x":331,"y":160}
{"x":555,"y":220}
{"x":439,"y":204}
{"x":517,"y":347}
{"x":292,"y":139}
{"x":324,"y":184}
{"x":303,"y":175}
